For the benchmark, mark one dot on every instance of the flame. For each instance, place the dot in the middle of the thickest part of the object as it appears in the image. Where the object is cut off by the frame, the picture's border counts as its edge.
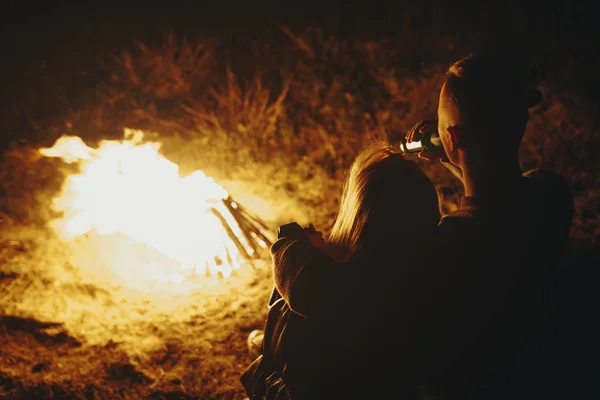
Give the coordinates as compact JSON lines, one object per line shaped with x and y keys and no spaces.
{"x":164,"y":227}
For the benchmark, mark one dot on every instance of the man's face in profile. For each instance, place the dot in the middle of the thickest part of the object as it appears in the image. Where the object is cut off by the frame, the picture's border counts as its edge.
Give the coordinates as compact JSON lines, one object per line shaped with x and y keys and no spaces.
{"x":448,"y":116}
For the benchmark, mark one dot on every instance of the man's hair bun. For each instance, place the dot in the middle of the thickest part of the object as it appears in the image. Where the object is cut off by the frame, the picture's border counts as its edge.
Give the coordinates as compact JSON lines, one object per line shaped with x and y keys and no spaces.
{"x":533,"y":97}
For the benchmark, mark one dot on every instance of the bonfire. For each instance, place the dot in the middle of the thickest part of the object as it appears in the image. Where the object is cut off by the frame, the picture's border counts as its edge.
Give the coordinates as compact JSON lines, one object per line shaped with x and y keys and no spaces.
{"x":164,"y":227}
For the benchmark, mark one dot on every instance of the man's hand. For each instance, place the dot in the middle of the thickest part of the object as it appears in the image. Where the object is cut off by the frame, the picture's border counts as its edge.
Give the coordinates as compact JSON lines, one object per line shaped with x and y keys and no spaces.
{"x":439,"y":154}
{"x":416,"y":133}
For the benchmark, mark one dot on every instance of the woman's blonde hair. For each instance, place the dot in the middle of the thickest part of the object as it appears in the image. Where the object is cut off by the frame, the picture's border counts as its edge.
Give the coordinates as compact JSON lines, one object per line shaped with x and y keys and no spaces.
{"x":386,"y":199}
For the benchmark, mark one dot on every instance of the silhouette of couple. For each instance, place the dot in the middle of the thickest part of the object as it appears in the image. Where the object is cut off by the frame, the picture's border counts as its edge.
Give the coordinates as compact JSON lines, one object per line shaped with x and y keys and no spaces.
{"x":400,"y":302}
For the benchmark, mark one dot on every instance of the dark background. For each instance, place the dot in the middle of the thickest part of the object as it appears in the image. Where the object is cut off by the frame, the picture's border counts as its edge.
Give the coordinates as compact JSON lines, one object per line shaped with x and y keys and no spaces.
{"x":542,"y":30}
{"x":564,"y":23}
{"x":30,"y":29}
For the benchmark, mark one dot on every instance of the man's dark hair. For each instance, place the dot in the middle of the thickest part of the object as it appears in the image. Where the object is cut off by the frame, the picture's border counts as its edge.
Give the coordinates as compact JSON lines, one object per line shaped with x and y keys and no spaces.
{"x":492,"y":93}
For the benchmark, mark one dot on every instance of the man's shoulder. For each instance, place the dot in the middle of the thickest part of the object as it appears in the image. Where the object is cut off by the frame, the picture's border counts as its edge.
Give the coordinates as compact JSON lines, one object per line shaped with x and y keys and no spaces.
{"x":544,"y":204}
{"x":548,"y":179}
{"x":546,"y":175}
{"x":551,"y":191}
{"x":549,"y":182}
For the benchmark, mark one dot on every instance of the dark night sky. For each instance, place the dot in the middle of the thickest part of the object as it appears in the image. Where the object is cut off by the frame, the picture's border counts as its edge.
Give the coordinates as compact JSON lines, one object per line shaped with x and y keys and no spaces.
{"x":23,"y":20}
{"x":30,"y":31}
{"x":371,"y":14}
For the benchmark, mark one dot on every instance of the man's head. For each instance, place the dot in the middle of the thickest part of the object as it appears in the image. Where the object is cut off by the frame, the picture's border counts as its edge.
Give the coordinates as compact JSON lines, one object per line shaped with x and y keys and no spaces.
{"x":483,"y":107}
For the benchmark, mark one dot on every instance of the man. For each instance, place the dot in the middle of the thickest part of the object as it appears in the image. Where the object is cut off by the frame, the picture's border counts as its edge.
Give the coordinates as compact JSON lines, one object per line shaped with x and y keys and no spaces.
{"x":482,"y":296}
{"x":501,"y":247}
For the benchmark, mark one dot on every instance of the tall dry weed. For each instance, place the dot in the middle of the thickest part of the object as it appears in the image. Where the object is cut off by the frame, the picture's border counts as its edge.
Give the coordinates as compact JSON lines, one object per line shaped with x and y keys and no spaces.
{"x":311,"y":99}
{"x":168,"y":71}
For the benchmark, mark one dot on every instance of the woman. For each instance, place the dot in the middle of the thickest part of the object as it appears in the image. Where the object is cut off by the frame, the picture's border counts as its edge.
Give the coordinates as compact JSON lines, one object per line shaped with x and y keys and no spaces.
{"x":340,"y":299}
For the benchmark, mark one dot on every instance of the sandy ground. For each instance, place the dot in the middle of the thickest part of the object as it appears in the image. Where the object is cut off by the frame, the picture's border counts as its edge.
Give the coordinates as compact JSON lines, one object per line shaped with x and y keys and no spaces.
{"x":196,"y":348}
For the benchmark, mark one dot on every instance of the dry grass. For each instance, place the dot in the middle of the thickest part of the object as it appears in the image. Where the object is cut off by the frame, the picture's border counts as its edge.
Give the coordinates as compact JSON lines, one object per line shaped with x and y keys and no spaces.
{"x":276,"y":126}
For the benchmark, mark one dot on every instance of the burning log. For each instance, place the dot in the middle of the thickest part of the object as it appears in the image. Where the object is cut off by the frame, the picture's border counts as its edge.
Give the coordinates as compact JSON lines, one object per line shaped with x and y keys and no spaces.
{"x":254,"y":230}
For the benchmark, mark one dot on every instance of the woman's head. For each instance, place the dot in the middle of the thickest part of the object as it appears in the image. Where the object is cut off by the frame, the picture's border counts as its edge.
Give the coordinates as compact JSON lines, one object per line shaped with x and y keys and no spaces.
{"x":484,"y":101}
{"x":386,"y":199}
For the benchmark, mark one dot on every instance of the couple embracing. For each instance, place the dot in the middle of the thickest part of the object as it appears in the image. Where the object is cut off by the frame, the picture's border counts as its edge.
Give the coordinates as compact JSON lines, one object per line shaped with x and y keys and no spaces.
{"x":401,"y":302}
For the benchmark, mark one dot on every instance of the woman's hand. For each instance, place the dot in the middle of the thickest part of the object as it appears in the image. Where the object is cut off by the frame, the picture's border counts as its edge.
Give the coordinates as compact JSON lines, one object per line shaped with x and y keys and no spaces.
{"x":317,"y":240}
{"x":315,"y":237}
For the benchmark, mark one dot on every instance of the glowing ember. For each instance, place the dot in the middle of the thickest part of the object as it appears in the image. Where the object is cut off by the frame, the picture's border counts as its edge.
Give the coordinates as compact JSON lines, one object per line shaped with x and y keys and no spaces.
{"x":126,"y":188}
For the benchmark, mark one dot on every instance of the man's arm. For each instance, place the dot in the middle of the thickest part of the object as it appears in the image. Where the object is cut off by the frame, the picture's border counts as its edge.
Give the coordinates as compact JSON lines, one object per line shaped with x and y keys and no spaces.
{"x":309,"y":280}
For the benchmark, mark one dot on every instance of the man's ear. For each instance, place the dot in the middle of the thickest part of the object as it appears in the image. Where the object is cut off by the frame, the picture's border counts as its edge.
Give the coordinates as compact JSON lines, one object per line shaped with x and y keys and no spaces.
{"x":455,"y":140}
